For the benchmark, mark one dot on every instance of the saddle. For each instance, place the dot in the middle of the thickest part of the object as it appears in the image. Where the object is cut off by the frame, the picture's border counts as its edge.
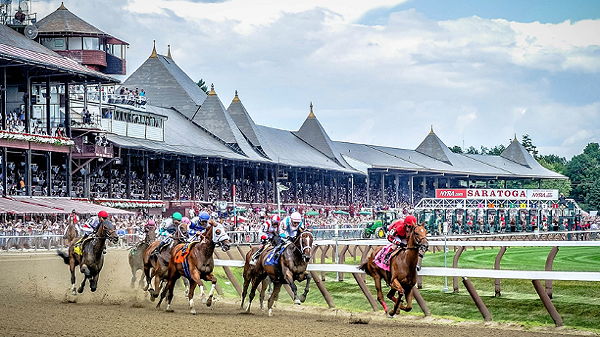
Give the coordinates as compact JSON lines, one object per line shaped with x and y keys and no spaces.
{"x":184,"y":251}
{"x":78,"y":249}
{"x":274,"y":255}
{"x":380,"y":259}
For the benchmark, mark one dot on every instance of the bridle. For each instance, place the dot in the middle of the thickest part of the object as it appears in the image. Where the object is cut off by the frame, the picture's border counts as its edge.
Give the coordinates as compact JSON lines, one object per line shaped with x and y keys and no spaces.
{"x":422,"y":247}
{"x":107,"y":232}
{"x":305,"y":245}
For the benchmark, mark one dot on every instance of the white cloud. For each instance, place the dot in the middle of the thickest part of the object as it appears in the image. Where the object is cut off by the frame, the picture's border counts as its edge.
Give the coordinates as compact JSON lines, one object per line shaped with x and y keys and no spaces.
{"x":474,"y":79}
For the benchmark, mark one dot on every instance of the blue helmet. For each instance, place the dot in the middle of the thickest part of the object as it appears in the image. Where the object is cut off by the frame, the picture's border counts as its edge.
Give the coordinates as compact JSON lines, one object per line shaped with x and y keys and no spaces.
{"x":204,"y":216}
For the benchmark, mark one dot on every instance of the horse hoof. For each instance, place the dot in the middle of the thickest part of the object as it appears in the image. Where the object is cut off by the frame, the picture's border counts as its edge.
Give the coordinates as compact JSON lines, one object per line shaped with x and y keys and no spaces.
{"x":209,"y":302}
{"x":297,"y":302}
{"x":302,"y":298}
{"x":169,"y":310}
{"x":93,"y":289}
{"x":193,"y":311}
{"x":80,"y":290}
{"x":270,"y":312}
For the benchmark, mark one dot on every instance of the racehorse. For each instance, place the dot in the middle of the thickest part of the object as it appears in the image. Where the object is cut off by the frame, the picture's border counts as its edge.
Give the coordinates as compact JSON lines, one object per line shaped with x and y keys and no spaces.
{"x":157,"y":265}
{"x":402,"y":275}
{"x":136,"y":257}
{"x":196,"y":265}
{"x":91,"y":257}
{"x":291,"y":267}
{"x":70,"y":232}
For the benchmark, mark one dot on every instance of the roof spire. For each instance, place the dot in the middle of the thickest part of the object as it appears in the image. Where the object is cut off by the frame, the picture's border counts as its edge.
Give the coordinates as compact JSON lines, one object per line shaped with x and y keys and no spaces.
{"x":515,"y":139}
{"x":236,"y":98}
{"x":212,"y":90}
{"x":169,"y":52}
{"x":154,"y":53}
{"x":431,"y":131}
{"x":311,"y":114}
{"x":62,"y":6}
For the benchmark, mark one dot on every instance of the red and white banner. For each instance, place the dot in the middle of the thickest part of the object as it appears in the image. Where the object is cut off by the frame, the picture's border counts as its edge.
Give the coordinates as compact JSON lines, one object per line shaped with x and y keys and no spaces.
{"x":494,"y":193}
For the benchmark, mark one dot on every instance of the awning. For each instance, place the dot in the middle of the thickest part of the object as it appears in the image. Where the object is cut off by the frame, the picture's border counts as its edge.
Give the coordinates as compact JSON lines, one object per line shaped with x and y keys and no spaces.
{"x":18,"y":207}
{"x":66,"y":205}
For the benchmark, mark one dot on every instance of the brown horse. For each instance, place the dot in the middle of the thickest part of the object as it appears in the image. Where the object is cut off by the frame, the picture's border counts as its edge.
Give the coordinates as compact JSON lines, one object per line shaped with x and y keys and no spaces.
{"x":70,"y":232}
{"x":402,"y":275}
{"x":197,"y":265}
{"x":91,"y":258}
{"x":136,"y":257}
{"x":291,"y":267}
{"x":157,"y":265}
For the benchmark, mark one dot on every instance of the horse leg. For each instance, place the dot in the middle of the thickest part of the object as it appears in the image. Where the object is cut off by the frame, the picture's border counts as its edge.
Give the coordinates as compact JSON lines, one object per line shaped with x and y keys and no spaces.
{"x":94,"y":282}
{"x":255,"y":282}
{"x":157,"y":286}
{"x":245,"y":289}
{"x":202,"y":292}
{"x":303,"y":296}
{"x":263,"y":289}
{"x":213,"y":286}
{"x":186,"y":284}
{"x":408,"y":295}
{"x":391,"y":296}
{"x":289,"y":278}
{"x":72,"y":269}
{"x":377,"y":281}
{"x":133,"y":276}
{"x":80,"y":290}
{"x":273,"y":297}
{"x":398,"y":287}
{"x":141,"y":282}
{"x":148,"y":278}
{"x":190,"y":295}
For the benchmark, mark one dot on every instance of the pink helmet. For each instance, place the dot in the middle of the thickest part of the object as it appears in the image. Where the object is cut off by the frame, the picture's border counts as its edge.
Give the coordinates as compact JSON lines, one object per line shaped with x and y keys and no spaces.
{"x":296,"y":217}
{"x":151,"y":223}
{"x":186,"y":220}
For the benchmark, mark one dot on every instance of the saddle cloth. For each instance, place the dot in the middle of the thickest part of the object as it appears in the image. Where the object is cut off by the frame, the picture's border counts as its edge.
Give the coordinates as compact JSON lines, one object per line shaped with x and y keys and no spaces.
{"x":183,"y":252}
{"x":380,"y":257}
{"x":78,"y":249}
{"x":273,"y":258}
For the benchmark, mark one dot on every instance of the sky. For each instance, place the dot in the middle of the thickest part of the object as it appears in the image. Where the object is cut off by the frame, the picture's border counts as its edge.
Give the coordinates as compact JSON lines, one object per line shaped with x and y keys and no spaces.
{"x":383,"y":71}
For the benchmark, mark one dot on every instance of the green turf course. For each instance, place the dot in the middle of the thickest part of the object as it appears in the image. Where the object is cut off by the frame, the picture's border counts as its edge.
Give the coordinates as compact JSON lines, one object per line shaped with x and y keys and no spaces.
{"x":577,"y":302}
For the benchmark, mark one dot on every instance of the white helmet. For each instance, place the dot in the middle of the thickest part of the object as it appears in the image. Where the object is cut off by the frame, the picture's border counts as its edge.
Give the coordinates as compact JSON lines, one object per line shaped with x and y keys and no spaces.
{"x":296,"y":217}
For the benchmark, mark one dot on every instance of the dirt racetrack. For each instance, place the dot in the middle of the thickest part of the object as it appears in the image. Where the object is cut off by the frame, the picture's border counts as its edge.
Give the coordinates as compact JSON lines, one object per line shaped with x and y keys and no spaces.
{"x":33,"y":290}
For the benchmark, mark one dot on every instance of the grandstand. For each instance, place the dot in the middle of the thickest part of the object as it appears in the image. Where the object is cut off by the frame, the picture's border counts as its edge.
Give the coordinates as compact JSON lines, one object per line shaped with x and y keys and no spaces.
{"x":158,"y":136}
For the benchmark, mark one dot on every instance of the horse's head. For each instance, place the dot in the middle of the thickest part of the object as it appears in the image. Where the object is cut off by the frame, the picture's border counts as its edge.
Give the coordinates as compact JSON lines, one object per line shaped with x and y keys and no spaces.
{"x":305,"y":241}
{"x":418,"y":238}
{"x":107,"y":230}
{"x":220,"y":237}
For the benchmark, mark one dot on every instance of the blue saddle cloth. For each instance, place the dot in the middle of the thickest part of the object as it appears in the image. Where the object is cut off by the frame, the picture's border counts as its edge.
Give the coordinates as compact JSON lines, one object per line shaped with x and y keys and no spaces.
{"x":273,"y":259}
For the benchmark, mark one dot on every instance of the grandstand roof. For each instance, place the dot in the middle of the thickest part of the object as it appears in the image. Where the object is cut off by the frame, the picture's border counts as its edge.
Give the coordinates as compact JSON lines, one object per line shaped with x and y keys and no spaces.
{"x":242,"y":119}
{"x":433,"y":147}
{"x":64,"y":21}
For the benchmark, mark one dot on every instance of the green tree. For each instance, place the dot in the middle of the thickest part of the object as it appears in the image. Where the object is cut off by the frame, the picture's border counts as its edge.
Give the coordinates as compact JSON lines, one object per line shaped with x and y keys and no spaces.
{"x":472,"y":150}
{"x":553,"y":162}
{"x":496,"y":150}
{"x":528,"y":145}
{"x":456,"y":149}
{"x":202,"y":85}
{"x":584,"y":172}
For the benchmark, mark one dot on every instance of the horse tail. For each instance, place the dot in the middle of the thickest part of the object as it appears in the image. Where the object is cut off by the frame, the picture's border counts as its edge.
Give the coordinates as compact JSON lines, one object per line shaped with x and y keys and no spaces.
{"x":64,"y":256}
{"x":365,"y":267}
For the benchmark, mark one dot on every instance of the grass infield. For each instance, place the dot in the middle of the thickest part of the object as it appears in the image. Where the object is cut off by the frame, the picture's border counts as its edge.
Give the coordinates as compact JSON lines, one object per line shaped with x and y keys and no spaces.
{"x":577,"y":302}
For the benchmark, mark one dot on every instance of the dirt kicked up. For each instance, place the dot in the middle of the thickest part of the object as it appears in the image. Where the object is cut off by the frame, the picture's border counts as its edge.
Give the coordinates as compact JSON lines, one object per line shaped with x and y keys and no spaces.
{"x":33,"y":293}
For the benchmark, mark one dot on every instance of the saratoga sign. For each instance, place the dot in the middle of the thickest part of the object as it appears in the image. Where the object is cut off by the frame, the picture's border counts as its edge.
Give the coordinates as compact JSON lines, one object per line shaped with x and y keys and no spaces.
{"x":493,"y":193}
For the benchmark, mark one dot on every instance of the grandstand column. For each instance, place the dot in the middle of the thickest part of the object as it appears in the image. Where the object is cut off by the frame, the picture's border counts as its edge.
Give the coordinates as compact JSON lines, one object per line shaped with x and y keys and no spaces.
{"x":424,"y":187}
{"x":28,"y":104}
{"x":4,"y":170}
{"x":86,"y":181}
{"x":128,"y":176}
{"x":275,"y":178}
{"x":322,"y":201}
{"x":110,"y":187}
{"x":67,"y":112}
{"x":146,"y":177}
{"x":382,"y":187}
{"x":255,"y":183}
{"x":335,"y":186}
{"x":178,"y":178}
{"x":205,"y":182}
{"x":49,"y":174}
{"x":304,"y":187}
{"x":48,"y":125}
{"x":367,"y":179}
{"x":295,"y":185}
{"x":193,"y":179}
{"x":350,"y":190}
{"x":162,"y":178}
{"x":411,"y":186}
{"x":28,"y":180}
{"x":397,"y":187}
{"x":220,"y":179}
{"x":232,"y":179}
{"x":3,"y":103}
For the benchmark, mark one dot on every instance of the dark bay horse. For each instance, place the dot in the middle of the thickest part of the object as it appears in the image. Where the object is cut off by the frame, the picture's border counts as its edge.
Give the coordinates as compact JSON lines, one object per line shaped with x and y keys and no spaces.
{"x":91,"y":260}
{"x":157,"y":265}
{"x":136,"y":257}
{"x":196,"y":266}
{"x":402,"y":275}
{"x":292,"y":267}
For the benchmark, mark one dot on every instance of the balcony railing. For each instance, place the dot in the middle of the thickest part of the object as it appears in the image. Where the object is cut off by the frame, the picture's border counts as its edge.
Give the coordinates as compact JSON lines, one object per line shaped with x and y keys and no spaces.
{"x":87,"y":150}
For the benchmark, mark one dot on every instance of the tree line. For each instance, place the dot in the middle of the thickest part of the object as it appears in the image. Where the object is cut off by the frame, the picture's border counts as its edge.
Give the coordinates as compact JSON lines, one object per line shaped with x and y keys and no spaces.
{"x":582,"y":171}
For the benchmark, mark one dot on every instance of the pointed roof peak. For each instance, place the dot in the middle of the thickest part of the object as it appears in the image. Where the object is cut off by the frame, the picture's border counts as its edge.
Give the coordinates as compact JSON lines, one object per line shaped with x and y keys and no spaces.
{"x":432,"y":146}
{"x":431,"y":131}
{"x":311,"y":114}
{"x":235,"y":98}
{"x":517,"y":153}
{"x":62,"y":7}
{"x":154,"y":54}
{"x":515,"y":139}
{"x":169,"y":51}
{"x":212,"y":91}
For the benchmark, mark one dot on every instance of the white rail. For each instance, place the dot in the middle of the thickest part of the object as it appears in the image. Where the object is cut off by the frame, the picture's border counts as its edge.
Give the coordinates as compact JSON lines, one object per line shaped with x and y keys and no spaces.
{"x":461,"y":272}
{"x":550,"y":243}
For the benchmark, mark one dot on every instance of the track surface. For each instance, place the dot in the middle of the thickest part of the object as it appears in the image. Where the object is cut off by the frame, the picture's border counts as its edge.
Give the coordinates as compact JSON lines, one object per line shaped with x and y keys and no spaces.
{"x":33,"y":293}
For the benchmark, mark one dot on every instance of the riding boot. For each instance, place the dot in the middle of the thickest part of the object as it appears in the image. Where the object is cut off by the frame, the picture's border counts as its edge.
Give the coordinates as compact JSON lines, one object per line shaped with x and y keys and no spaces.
{"x":256,"y":255}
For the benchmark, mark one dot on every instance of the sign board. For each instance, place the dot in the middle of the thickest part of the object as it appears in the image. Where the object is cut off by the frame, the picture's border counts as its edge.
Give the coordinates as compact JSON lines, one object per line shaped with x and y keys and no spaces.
{"x":498,"y":194}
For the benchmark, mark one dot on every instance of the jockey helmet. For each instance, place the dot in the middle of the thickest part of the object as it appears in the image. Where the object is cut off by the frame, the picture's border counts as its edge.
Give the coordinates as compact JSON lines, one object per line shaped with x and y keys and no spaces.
{"x":151,"y":223}
{"x":410,"y":220}
{"x":296,"y":217}
{"x":177,"y":216}
{"x":103,"y":214}
{"x":204,"y":216}
{"x":185,"y":220}
{"x":275,"y":219}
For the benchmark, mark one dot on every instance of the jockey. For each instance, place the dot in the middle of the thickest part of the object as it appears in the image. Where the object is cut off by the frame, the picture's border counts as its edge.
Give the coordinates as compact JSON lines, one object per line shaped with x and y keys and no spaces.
{"x":397,"y":235}
{"x":198,"y":226}
{"x":91,"y":226}
{"x":288,"y":230}
{"x":169,"y":229}
{"x":269,"y":233}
